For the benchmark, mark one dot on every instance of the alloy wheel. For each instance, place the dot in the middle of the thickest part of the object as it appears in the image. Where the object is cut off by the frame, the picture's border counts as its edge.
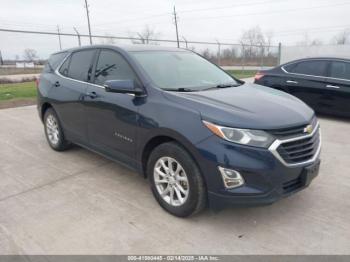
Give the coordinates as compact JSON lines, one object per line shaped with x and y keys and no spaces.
{"x":52,"y":130}
{"x":171,"y":181}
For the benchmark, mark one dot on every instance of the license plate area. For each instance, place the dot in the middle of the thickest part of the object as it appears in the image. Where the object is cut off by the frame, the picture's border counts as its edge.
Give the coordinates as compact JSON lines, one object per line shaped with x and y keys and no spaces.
{"x":310,"y":172}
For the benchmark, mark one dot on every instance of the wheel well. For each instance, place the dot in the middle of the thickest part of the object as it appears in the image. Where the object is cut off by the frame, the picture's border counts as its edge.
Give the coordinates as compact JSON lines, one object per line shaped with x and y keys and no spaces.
{"x":152,"y":144}
{"x":44,"y":107}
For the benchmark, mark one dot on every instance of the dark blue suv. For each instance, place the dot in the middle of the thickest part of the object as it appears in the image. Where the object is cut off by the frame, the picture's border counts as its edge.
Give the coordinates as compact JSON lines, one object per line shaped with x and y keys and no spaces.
{"x":199,"y":135}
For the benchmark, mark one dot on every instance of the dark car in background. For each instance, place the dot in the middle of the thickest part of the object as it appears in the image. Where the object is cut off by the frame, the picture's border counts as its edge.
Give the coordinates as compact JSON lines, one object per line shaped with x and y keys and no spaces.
{"x":198,"y":134}
{"x":322,"y":83}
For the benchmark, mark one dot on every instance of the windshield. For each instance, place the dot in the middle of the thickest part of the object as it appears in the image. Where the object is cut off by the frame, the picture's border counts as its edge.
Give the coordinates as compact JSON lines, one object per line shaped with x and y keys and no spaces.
{"x":182,"y":71}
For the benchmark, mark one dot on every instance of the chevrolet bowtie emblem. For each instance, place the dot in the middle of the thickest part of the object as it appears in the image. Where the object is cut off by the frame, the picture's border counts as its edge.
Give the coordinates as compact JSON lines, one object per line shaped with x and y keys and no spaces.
{"x":308,"y":129}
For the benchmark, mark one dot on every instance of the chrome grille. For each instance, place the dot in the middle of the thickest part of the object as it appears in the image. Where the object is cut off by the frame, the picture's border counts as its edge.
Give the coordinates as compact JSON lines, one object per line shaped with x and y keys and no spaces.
{"x":299,"y":150}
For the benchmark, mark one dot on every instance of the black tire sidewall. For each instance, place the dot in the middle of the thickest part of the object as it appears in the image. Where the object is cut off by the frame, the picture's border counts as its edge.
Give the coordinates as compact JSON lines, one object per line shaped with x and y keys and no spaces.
{"x":195,"y":180}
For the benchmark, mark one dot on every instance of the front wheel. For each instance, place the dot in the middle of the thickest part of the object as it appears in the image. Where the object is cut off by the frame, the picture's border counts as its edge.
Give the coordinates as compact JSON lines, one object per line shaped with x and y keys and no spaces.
{"x":176,"y":181}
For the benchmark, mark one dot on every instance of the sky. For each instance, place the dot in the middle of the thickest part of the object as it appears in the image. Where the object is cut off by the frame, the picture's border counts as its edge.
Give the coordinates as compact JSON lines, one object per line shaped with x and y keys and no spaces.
{"x":289,"y":21}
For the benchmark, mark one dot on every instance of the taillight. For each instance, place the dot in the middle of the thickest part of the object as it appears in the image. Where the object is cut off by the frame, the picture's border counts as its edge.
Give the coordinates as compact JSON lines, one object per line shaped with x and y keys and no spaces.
{"x":258,"y":76}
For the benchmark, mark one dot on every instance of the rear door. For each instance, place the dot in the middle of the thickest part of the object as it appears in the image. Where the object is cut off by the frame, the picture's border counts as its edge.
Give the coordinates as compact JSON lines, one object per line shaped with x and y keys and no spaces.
{"x":306,"y":80}
{"x":70,"y":93}
{"x":338,"y":83}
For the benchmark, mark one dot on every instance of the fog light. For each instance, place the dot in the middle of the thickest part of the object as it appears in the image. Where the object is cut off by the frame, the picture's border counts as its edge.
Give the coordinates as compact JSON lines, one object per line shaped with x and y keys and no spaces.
{"x":231,"y":178}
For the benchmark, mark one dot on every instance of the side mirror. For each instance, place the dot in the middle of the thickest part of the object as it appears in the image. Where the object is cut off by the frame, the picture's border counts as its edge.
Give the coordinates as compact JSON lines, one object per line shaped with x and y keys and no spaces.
{"x":123,"y":87}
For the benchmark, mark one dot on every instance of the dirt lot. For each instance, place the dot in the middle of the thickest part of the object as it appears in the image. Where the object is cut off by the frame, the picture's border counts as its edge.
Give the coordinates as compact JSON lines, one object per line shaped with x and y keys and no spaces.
{"x":77,"y":202}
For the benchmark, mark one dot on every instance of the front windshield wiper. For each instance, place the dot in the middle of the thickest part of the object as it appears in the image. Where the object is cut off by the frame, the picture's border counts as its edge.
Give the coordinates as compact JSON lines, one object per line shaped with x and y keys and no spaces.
{"x":221,"y":86}
{"x":180,"y":89}
{"x":226,"y":85}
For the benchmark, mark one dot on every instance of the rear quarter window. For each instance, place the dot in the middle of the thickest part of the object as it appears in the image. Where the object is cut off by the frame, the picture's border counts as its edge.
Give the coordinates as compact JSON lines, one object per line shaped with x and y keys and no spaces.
{"x":340,"y":70}
{"x":65,"y":66}
{"x":54,"y":62}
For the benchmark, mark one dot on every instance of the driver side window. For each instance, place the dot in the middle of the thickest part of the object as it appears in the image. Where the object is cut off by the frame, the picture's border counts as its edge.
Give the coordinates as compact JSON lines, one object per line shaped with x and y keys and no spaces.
{"x":112,"y":66}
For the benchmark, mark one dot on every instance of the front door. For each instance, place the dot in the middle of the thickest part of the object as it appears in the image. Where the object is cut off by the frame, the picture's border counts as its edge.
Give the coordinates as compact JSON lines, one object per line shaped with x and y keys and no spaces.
{"x":112,"y":117}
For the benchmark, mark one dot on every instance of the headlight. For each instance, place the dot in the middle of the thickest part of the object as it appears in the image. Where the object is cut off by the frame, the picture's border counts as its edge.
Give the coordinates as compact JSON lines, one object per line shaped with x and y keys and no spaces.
{"x":248,"y":137}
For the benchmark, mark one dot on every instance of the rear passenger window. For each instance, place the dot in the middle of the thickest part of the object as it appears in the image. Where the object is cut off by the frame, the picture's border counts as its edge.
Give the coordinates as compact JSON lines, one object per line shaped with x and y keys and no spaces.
{"x":340,"y":70}
{"x":53,"y":62}
{"x":313,"y":68}
{"x":112,"y":66}
{"x":64,"y":68}
{"x":80,"y":64}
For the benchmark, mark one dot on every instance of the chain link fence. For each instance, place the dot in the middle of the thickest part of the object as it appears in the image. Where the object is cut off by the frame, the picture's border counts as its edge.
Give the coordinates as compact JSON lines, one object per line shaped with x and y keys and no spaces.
{"x":229,"y":55}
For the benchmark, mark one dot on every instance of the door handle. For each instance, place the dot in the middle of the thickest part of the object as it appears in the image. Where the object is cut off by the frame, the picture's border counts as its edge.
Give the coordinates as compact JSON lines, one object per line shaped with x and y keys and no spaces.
{"x":92,"y":95}
{"x":57,"y":84}
{"x":291,"y":82}
{"x":332,"y":86}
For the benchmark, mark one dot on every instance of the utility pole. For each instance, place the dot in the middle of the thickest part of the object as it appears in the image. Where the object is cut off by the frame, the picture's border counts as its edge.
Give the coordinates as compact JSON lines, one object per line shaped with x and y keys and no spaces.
{"x":88,"y":19}
{"x":185,"y":42}
{"x":77,"y":35}
{"x":59,"y":36}
{"x":177,"y":32}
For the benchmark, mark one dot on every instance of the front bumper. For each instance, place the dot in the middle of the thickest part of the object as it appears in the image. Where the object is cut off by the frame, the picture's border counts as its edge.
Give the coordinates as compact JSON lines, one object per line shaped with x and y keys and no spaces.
{"x":266,"y":178}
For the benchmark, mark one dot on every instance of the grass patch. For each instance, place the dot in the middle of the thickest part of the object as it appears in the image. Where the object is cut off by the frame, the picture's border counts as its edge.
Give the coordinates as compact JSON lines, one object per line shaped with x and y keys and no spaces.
{"x":17,"y":91}
{"x":242,"y":73}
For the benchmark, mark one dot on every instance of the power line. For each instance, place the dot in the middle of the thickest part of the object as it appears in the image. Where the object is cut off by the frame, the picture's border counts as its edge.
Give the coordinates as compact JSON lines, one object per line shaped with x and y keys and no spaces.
{"x":220,"y":7}
{"x":184,"y":11}
{"x":227,"y":6}
{"x":269,"y":12}
{"x":136,"y":19}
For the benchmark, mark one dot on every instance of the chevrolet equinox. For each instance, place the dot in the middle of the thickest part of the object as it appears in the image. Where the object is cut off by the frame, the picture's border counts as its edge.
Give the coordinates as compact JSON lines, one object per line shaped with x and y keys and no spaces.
{"x":199,"y":135}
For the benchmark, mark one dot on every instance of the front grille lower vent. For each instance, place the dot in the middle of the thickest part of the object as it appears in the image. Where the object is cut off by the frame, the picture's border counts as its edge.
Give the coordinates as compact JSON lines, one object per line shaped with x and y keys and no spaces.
{"x":292,"y":185}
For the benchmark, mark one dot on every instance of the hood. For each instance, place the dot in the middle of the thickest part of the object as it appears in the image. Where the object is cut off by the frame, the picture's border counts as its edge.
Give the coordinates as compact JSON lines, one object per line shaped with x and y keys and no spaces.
{"x":247,"y":106}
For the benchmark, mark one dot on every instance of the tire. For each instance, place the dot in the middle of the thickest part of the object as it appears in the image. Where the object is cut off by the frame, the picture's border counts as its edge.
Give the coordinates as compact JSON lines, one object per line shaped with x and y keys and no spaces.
{"x":54,"y":132}
{"x":189,"y":179}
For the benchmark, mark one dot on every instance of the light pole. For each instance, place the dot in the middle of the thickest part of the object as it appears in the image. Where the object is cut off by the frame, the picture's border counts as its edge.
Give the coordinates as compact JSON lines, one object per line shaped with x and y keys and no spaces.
{"x":88,"y":19}
{"x":177,"y":31}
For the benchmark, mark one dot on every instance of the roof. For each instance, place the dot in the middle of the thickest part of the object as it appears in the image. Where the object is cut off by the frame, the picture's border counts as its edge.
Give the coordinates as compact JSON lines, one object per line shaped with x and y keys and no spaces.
{"x":127,"y":48}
